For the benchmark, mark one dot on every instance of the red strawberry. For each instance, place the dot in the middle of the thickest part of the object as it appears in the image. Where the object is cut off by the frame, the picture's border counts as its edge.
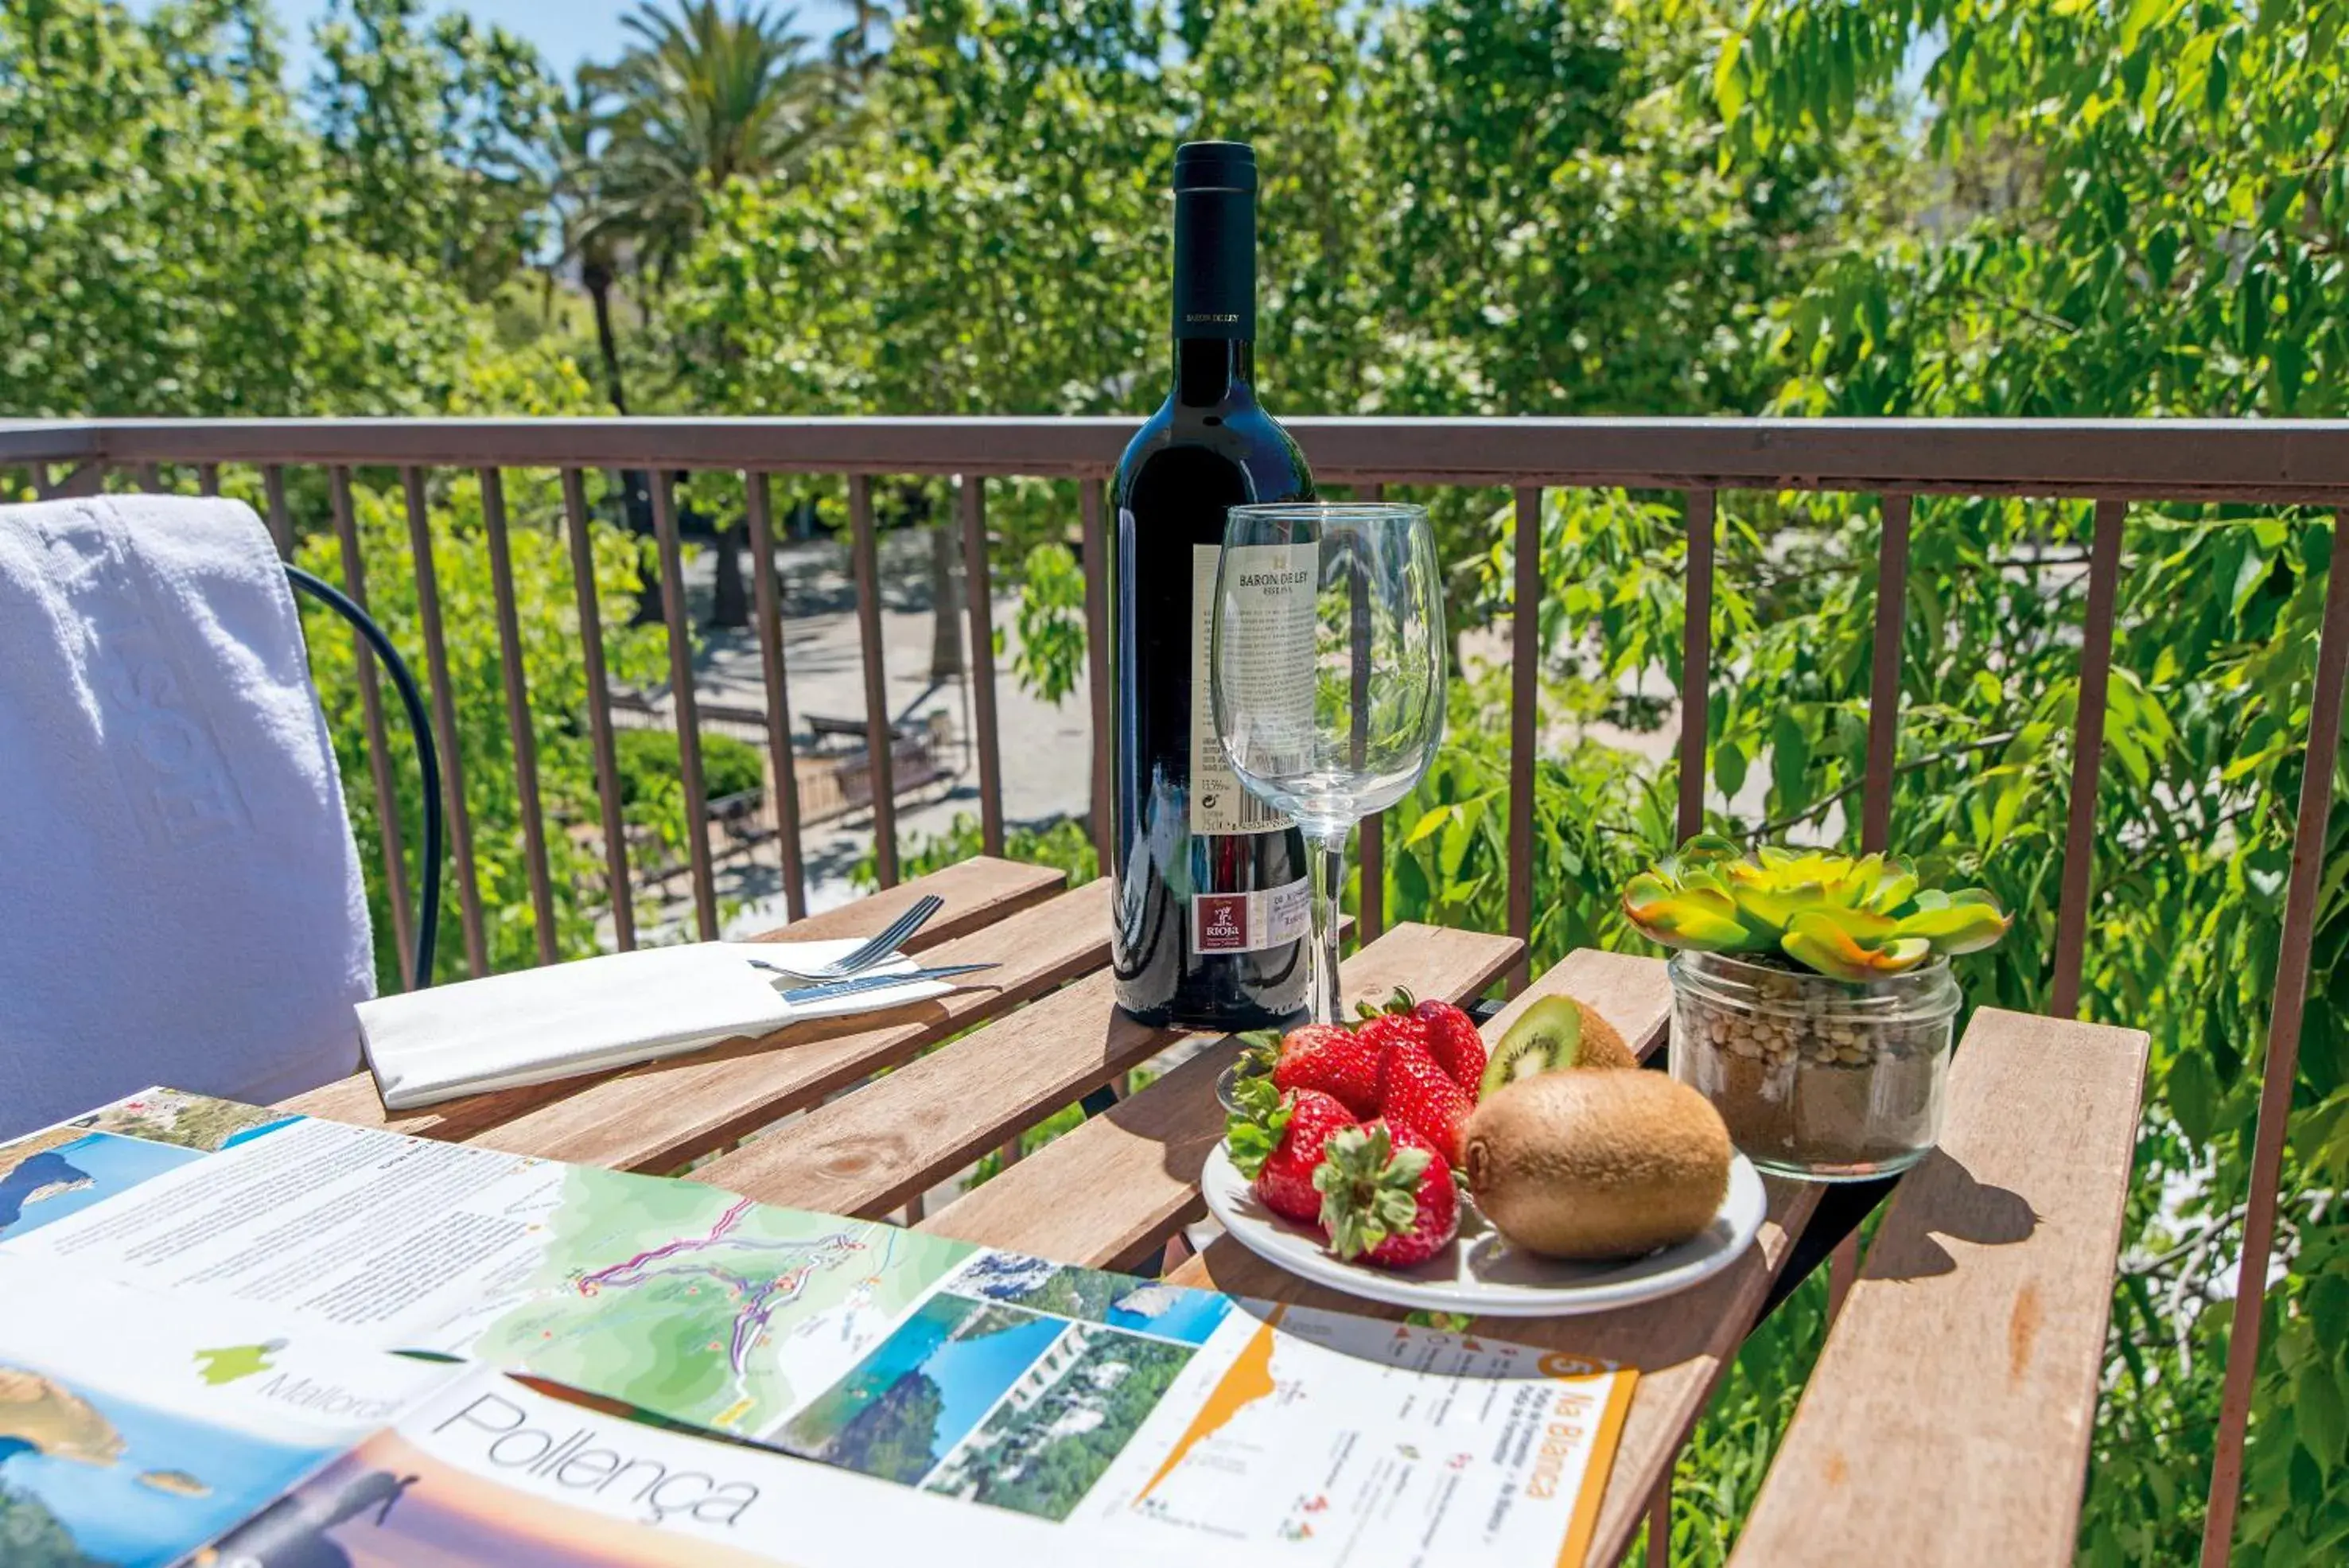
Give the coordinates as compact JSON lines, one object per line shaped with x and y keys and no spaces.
{"x":1336,"y":1061}
{"x":1277,"y":1141}
{"x":1385,"y":1196}
{"x":1414,"y":1093}
{"x":1391,"y":1022}
{"x":1452,"y":1041}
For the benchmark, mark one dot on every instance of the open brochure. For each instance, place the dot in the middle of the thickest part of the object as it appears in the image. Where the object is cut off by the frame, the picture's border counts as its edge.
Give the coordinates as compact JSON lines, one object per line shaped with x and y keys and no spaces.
{"x":1112,"y":1413}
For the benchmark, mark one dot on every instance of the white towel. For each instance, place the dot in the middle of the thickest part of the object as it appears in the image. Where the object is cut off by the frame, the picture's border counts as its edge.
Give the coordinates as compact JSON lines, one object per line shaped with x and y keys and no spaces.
{"x":595,"y":1014}
{"x":181,"y":891}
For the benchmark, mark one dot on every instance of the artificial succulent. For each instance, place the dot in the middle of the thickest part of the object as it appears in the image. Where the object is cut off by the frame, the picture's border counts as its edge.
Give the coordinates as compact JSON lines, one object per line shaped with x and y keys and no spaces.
{"x":1855,"y":919}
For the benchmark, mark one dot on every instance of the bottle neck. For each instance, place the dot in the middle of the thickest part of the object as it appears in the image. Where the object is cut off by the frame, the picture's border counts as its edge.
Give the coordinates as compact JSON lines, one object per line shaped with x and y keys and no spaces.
{"x":1215,"y":295}
{"x":1209,"y":371}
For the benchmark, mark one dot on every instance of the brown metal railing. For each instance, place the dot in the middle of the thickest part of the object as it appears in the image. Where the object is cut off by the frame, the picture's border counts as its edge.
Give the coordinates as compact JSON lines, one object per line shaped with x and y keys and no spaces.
{"x":2109,"y":462}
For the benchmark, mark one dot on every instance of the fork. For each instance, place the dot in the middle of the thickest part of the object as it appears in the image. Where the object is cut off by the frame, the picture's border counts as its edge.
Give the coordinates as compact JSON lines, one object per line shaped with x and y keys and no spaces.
{"x":871,"y":952}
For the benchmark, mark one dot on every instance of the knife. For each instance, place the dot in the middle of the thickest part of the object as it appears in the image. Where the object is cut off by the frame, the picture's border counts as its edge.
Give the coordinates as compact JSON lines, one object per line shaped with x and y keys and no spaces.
{"x":859,"y":984}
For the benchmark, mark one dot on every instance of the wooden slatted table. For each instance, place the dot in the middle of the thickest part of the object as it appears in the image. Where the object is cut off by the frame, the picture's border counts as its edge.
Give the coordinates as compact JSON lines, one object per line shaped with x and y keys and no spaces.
{"x":860,"y":1115}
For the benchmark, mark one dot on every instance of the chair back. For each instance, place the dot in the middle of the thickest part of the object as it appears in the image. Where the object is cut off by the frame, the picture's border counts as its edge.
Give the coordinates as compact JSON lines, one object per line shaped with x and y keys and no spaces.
{"x":182,"y":893}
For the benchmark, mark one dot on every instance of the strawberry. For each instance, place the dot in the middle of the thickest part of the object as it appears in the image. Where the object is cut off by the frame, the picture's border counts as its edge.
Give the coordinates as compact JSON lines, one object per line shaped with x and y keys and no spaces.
{"x":1391,"y":1022}
{"x":1276,"y":1140}
{"x":1385,"y":1196}
{"x":1332,"y":1059}
{"x":1415,"y":1092}
{"x":1452,"y":1041}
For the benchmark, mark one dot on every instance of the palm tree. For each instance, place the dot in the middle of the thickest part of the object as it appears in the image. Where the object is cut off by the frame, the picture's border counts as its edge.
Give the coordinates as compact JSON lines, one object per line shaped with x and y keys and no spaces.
{"x":596,"y":233}
{"x":700,"y":97}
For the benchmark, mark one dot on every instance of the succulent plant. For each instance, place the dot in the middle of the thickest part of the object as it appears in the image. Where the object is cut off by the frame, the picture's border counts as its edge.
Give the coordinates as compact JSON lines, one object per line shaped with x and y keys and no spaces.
{"x":1855,"y":919}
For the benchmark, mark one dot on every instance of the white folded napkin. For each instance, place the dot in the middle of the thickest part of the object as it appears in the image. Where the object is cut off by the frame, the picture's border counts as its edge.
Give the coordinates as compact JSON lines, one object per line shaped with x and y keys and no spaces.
{"x":595,"y":1014}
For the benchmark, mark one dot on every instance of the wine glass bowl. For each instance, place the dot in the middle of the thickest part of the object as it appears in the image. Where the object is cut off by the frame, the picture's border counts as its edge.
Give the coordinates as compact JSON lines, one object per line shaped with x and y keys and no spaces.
{"x":1328,"y":666}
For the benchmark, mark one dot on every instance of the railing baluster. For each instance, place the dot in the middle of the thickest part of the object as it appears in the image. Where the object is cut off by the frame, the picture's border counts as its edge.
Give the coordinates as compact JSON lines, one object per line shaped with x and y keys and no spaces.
{"x":689,"y":713}
{"x":880,"y":771}
{"x":979,"y":593}
{"x":149,"y":477}
{"x":767,"y":601}
{"x":1884,"y":685}
{"x":281,"y":521}
{"x":386,"y":799}
{"x":1883,"y":755}
{"x":1097,"y":675}
{"x":1525,"y":719}
{"x":444,"y":716}
{"x":1371,"y":839}
{"x":2087,"y":756}
{"x":2321,"y":760}
{"x":599,"y":711}
{"x":518,"y":725}
{"x":1696,"y":662}
{"x":208,"y":479}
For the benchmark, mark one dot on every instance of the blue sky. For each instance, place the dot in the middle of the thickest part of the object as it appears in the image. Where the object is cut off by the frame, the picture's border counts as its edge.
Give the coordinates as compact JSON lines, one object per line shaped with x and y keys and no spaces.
{"x":565,"y":31}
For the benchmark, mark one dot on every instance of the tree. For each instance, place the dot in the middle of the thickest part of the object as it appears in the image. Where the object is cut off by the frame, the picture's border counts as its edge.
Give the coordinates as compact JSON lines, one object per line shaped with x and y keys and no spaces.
{"x":2140,"y":209}
{"x":439,"y":132}
{"x":702,"y":97}
{"x":594,"y":228}
{"x":180,"y":245}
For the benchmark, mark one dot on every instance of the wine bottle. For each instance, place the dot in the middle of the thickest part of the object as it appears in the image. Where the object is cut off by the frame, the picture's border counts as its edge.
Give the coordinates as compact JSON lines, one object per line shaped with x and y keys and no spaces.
{"x":1210,"y":887}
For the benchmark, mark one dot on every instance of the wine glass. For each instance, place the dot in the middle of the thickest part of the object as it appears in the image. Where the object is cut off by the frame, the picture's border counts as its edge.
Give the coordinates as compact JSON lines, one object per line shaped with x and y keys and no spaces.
{"x":1328,"y":665}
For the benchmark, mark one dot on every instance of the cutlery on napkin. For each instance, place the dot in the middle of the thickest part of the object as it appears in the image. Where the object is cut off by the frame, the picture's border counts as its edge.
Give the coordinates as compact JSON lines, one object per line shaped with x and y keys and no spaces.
{"x":595,"y":1014}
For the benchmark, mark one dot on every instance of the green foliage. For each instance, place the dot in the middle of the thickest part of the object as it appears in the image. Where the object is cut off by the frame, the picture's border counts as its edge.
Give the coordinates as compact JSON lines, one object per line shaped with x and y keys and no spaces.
{"x":651,"y":770}
{"x":556,"y":677}
{"x":1051,"y":623}
{"x":175,"y":240}
{"x":2137,"y":209}
{"x":439,"y":131}
{"x":701,"y":97}
{"x":1464,"y":208}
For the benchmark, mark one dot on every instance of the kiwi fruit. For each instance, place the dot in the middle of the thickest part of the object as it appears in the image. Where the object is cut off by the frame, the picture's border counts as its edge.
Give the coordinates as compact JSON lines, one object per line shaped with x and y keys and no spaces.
{"x":1555,"y":1033}
{"x":1597,"y":1165}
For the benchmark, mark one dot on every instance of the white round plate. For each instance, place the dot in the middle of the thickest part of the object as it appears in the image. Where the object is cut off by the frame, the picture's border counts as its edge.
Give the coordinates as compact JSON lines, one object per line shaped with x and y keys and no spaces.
{"x":1481,"y":1272}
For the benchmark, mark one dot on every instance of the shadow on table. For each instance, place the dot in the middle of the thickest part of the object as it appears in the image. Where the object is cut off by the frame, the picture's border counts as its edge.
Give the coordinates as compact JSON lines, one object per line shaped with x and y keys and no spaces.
{"x":1962,"y":1208}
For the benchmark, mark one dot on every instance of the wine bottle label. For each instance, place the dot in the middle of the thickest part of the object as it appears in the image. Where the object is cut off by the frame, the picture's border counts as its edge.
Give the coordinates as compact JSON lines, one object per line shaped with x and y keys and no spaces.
{"x":1248,"y":922}
{"x":1270,"y":657}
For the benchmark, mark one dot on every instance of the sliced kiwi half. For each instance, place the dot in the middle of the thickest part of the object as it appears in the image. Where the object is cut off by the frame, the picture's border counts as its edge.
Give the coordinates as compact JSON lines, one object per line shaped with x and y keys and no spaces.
{"x":1554,"y":1034}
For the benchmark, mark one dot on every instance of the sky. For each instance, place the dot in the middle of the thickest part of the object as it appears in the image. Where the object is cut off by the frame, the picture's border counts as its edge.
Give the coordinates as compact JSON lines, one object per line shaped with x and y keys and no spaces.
{"x":565,"y":31}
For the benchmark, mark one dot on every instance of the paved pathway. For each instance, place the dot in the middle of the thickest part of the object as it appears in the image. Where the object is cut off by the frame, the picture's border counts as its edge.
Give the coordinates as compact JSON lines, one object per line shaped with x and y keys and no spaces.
{"x":1045,"y":748}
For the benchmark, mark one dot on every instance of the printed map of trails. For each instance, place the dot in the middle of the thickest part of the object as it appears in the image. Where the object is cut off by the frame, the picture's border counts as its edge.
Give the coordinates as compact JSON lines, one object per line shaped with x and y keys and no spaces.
{"x":676,"y":1297}
{"x":691,"y":1302}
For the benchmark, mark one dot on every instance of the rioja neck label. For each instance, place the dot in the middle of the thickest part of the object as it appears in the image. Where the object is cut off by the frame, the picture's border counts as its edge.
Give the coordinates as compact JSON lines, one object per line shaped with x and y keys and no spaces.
{"x":1272,"y":649}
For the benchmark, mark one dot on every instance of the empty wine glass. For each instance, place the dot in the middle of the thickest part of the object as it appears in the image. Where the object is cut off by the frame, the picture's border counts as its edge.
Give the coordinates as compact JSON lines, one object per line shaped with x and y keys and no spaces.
{"x":1328,"y":666}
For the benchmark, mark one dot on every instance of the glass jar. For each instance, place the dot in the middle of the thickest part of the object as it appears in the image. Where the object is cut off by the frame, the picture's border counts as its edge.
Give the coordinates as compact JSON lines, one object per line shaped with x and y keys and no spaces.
{"x":1826,"y":1080}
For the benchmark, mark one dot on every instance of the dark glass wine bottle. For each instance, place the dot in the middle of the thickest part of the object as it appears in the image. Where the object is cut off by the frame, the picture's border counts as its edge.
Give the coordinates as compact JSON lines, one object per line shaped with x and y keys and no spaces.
{"x":1212,"y":900}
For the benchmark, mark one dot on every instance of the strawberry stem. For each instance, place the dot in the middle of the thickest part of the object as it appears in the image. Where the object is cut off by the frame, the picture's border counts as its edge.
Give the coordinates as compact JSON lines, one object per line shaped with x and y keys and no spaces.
{"x":1370,"y":1191}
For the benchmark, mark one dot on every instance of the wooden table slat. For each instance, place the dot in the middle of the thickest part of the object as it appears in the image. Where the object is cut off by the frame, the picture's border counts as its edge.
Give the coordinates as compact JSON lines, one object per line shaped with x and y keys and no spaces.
{"x":869,"y":1152}
{"x":1962,"y":1377}
{"x":977,"y":893}
{"x":658,"y":1116}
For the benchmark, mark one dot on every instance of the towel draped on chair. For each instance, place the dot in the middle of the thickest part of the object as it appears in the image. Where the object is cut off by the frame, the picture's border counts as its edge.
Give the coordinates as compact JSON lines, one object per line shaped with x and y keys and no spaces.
{"x":181,"y":891}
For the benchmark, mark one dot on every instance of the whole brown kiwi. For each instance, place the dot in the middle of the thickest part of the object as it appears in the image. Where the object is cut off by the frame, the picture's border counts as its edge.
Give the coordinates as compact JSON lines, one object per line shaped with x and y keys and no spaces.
{"x":1597,"y":1165}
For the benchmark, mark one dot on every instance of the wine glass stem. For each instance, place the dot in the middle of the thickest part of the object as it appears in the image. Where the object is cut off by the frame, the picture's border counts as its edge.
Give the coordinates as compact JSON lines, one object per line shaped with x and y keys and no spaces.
{"x":1329,"y":856}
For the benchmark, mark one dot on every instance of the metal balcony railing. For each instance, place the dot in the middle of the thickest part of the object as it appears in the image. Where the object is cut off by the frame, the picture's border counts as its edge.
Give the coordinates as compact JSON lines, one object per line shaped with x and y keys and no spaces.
{"x":2108,"y":463}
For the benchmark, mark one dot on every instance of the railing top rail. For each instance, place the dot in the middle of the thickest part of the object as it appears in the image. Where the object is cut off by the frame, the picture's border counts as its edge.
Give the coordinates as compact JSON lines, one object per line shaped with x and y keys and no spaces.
{"x":2246,"y":460}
